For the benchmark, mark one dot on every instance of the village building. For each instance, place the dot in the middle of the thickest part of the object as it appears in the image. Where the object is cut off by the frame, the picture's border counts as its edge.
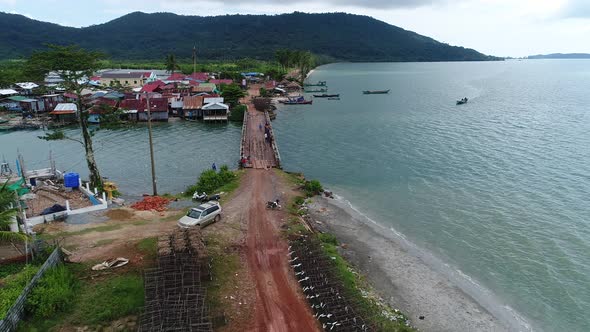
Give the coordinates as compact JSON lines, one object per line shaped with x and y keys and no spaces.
{"x":64,"y":113}
{"x":130,"y":107}
{"x":215,"y":112}
{"x":101,"y":106}
{"x":191,"y":107}
{"x":127,"y":78}
{"x":158,"y":109}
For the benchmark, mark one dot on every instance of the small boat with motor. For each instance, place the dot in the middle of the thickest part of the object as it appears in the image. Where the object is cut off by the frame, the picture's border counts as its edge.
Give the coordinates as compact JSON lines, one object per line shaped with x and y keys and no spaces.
{"x":462,"y":101}
{"x":327,"y":96}
{"x":376,"y":92}
{"x":319,"y":83}
{"x":334,"y":98}
{"x":296,"y":101}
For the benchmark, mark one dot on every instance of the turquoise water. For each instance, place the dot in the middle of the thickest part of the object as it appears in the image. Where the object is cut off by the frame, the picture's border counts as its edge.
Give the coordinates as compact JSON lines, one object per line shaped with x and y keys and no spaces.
{"x":498,"y":188}
{"x":182,"y":151}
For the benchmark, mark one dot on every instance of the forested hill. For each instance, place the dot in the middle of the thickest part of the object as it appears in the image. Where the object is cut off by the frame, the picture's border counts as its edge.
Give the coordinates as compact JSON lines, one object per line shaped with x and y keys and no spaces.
{"x":561,"y":56}
{"x":336,"y":36}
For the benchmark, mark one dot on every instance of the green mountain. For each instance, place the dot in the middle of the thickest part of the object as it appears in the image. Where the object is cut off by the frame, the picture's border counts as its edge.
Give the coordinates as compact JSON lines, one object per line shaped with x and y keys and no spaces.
{"x":337,"y":36}
{"x":560,"y":56}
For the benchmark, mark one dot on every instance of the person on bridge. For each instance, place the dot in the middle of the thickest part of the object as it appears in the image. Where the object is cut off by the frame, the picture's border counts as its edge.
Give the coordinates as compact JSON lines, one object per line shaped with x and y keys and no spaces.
{"x":260,"y":126}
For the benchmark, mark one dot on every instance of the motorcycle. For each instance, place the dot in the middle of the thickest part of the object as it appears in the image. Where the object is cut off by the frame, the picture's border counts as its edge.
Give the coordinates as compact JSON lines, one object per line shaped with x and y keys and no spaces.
{"x":203,"y":197}
{"x":273,"y":205}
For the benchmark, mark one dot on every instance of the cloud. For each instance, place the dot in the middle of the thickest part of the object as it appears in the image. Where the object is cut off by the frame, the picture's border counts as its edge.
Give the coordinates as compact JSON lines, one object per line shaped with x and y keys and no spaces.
{"x":576,"y":9}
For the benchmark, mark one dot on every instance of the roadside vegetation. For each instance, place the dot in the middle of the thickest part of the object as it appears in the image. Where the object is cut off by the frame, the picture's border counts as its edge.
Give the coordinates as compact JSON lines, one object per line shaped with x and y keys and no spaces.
{"x":356,"y":287}
{"x":212,"y":182}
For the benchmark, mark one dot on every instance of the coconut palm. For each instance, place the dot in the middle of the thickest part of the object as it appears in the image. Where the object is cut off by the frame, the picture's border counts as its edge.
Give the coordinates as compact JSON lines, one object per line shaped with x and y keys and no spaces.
{"x":7,"y":213}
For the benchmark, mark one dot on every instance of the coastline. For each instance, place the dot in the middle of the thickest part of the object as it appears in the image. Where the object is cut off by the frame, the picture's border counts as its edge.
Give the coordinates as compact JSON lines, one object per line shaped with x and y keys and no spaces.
{"x":405,"y":280}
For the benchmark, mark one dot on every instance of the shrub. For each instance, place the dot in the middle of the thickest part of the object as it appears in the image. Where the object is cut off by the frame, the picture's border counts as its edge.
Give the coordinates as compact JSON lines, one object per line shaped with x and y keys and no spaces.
{"x":328,"y":238}
{"x":53,"y":292}
{"x":210,"y":181}
{"x":312,"y":188}
{"x":237,"y":113}
{"x":13,"y":287}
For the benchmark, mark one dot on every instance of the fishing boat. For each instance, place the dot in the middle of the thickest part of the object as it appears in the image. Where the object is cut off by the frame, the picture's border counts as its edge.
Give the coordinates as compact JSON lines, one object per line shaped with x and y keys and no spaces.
{"x":317,"y":90}
{"x":462,"y":101}
{"x":327,"y":96}
{"x":319,"y":83}
{"x":296,"y":101}
{"x":375,"y":92}
{"x":334,"y":98}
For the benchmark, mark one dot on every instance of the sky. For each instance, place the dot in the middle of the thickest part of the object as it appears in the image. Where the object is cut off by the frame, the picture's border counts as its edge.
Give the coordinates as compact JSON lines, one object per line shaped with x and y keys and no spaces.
{"x":495,"y":27}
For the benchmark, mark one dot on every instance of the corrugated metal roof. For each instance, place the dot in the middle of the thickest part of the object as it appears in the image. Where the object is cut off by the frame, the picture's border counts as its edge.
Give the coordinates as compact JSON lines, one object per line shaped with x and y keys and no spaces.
{"x":216,"y":106}
{"x":192,"y":102}
{"x":27,"y":85}
{"x":211,"y":100}
{"x":6,"y":92}
{"x":66,"y":107}
{"x":17,"y":98}
{"x":130,"y":104}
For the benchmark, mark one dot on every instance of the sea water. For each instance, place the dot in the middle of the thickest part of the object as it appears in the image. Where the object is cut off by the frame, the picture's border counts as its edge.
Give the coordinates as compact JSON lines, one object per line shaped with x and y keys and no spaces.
{"x":498,"y":189}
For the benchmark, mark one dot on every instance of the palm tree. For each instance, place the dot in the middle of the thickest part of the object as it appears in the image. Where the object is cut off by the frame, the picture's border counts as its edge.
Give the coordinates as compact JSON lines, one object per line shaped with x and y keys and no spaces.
{"x":7,"y":213}
{"x":171,"y":64}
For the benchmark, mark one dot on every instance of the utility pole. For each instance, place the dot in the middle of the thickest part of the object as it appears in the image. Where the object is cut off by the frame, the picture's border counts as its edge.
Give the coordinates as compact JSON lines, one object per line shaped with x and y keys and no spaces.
{"x":149,"y":114}
{"x":194,"y":59}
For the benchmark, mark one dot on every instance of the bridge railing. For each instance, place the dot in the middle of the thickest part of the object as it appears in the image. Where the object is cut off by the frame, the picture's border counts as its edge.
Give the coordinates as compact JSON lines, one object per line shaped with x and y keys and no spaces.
{"x":273,"y":143}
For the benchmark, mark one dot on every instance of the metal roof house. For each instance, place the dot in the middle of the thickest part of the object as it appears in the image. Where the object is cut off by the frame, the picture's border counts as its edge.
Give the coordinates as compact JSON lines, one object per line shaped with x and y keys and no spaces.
{"x":65,"y":113}
{"x":215,"y":112}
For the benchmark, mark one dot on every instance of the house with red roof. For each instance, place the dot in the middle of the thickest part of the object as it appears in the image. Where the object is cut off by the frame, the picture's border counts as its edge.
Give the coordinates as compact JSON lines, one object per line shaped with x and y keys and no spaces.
{"x":101,"y":106}
{"x":201,"y":77}
{"x":221,"y":81}
{"x":158,"y":108}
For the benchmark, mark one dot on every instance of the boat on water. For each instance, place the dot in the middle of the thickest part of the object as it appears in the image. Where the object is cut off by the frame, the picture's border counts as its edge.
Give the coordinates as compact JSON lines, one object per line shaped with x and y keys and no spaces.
{"x":316,"y":90}
{"x":334,"y":98}
{"x":462,"y":101}
{"x":319,"y":83}
{"x":296,"y":101}
{"x":327,"y":96}
{"x":376,"y":92}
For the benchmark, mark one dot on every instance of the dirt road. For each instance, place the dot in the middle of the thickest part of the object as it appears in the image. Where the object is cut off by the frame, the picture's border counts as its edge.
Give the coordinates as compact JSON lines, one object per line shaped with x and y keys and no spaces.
{"x":280,"y":305}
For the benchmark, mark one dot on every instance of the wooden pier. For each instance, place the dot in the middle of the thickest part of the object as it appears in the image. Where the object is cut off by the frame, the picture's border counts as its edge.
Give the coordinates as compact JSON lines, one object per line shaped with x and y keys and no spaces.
{"x":258,"y":152}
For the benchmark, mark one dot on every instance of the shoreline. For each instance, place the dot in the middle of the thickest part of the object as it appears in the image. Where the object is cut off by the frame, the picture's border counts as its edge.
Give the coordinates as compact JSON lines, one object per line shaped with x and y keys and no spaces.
{"x":417,"y":289}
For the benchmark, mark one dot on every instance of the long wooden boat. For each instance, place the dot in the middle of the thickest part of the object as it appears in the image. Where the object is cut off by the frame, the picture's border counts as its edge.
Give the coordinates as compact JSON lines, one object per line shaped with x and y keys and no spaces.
{"x":297,"y":102}
{"x":376,"y":92}
{"x":320,"y":83}
{"x":317,"y":90}
{"x":327,"y":96}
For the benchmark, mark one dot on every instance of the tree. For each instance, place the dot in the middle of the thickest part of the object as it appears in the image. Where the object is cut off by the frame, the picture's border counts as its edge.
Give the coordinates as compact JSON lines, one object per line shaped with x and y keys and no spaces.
{"x":305,"y":62}
{"x":74,"y":65}
{"x":283,"y":57}
{"x":171,"y":64}
{"x":232,"y":93}
{"x":7,"y":213}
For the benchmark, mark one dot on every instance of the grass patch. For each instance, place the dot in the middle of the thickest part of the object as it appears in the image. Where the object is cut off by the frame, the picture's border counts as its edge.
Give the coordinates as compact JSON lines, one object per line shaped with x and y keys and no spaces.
{"x":104,"y":242}
{"x":13,"y":286}
{"x":149,"y":247}
{"x":11,"y":268}
{"x":108,"y":300}
{"x":53,"y":293}
{"x":296,"y":179}
{"x":97,"y":302}
{"x":223,"y":270}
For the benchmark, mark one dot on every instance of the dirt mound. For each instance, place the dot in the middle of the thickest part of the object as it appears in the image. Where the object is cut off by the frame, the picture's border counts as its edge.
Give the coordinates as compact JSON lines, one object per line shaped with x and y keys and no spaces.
{"x":119,"y":214}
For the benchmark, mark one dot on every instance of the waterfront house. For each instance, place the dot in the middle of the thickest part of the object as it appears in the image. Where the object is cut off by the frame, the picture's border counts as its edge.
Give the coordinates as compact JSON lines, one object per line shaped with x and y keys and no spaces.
{"x":130,"y":107}
{"x":24,"y":104}
{"x":101,"y":106}
{"x":65,"y":113}
{"x":215,"y":112}
{"x":191,"y":107}
{"x":158,"y":109}
{"x":26,"y":88}
{"x":51,"y":100}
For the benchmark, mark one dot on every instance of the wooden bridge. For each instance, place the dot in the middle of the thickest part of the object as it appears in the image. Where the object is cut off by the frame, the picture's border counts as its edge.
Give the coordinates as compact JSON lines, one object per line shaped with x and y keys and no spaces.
{"x":258,"y":152}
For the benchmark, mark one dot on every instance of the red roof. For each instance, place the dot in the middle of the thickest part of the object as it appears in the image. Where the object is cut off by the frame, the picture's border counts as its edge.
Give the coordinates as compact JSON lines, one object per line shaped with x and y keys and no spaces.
{"x":105,"y":101}
{"x":130,"y":104}
{"x":199,"y":76}
{"x":95,"y":78}
{"x":70,"y":95}
{"x":176,"y":77}
{"x":156,"y":105}
{"x":153,"y":86}
{"x":221,"y":81}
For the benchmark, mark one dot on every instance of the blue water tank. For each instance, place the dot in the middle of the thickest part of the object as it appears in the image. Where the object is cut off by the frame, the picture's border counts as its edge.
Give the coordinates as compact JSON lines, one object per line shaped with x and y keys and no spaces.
{"x":72,"y":180}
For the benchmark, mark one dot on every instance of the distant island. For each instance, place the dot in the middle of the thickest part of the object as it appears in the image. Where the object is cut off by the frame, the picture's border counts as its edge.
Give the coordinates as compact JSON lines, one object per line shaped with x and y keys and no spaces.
{"x":560,"y":56}
{"x":140,"y":36}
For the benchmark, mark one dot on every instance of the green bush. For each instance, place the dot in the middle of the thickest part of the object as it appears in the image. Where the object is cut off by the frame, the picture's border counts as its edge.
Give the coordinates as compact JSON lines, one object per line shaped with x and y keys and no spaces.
{"x":328,"y":238}
{"x":237,"y":113}
{"x":312,"y":188}
{"x":13,"y":286}
{"x":210,"y":181}
{"x":53,"y":292}
{"x":299,"y":200}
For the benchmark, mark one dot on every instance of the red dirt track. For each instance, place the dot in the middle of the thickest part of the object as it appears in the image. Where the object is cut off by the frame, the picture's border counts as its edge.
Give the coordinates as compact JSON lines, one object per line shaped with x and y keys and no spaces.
{"x":280,"y":305}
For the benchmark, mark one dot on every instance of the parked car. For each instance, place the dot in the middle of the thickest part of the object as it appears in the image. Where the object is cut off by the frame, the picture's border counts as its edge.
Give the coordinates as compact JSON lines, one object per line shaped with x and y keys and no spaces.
{"x":201,"y":215}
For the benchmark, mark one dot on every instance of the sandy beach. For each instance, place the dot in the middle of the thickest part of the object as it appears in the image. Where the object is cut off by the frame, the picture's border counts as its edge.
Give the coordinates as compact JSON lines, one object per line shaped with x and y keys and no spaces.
{"x":403,"y":279}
